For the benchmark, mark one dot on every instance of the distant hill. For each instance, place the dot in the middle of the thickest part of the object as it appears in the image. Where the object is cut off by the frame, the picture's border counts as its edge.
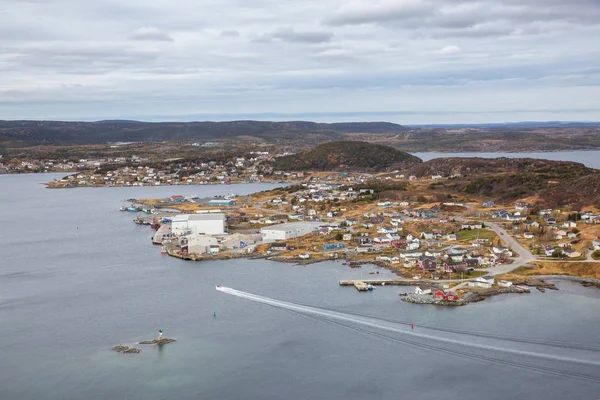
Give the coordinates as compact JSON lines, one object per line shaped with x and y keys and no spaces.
{"x":67,"y":133}
{"x":347,"y":156}
{"x":558,"y":183}
{"x":477,"y":165}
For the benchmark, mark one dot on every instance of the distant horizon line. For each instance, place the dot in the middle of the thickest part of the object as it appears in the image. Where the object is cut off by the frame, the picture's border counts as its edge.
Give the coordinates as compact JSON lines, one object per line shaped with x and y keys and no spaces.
{"x":440,"y":124}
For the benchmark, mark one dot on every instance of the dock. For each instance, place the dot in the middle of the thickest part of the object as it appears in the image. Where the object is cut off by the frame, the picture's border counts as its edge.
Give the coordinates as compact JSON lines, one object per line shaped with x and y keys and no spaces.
{"x":382,"y":282}
{"x":163,"y":230}
{"x":362,"y":284}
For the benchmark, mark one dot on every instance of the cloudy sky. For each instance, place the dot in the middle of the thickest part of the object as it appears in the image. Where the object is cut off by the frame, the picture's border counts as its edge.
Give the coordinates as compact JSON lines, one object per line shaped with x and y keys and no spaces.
{"x":406,"y":61}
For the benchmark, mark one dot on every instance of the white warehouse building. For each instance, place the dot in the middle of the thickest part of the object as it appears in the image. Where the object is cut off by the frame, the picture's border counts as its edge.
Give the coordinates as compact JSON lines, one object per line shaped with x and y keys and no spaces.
{"x":199,"y":224}
{"x":287,"y":231}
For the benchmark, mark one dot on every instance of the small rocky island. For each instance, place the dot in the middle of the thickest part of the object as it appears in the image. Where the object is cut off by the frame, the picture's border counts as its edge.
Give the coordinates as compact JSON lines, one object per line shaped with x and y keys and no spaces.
{"x":133,"y":350}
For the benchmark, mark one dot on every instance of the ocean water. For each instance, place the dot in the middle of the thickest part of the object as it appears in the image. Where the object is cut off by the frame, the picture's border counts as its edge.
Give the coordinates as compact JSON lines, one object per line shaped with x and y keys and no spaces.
{"x":78,"y":277}
{"x":588,"y":158}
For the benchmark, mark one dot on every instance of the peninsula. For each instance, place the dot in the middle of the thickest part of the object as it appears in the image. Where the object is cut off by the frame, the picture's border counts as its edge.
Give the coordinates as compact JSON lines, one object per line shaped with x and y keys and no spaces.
{"x":459,"y":229}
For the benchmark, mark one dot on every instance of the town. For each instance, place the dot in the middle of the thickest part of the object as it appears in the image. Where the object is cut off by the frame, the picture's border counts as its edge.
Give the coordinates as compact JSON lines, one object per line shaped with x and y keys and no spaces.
{"x":453,"y":250}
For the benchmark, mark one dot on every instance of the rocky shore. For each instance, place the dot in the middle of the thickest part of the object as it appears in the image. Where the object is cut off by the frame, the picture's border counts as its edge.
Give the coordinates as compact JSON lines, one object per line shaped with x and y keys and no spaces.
{"x":537,"y":283}
{"x":428,"y":299}
{"x":470,"y":297}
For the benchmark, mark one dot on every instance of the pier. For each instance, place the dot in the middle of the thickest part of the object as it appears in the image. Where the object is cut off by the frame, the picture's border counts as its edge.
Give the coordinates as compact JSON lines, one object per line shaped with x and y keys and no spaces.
{"x":362,"y":284}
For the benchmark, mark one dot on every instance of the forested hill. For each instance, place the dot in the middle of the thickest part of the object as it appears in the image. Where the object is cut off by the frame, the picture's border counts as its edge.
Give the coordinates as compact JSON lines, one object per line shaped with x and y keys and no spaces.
{"x":347,"y":156}
{"x":67,"y":133}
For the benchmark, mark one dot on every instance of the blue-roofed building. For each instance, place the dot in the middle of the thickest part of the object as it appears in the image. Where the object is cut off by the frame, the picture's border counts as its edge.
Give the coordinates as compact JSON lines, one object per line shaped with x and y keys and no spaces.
{"x":222,"y":202}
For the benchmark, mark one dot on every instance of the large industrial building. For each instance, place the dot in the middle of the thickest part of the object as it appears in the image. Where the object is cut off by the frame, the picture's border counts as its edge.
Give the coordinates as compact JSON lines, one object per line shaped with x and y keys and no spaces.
{"x":199,"y":224}
{"x":288,"y":231}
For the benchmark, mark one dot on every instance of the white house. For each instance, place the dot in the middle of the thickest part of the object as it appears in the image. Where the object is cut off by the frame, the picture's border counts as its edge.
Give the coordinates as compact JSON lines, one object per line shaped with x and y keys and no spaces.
{"x":499,"y":249}
{"x":596,"y":244}
{"x":418,"y":290}
{"x":504,"y":283}
{"x":386,"y":229}
{"x":199,"y":224}
{"x":413,"y":246}
{"x":451,"y":237}
{"x":287,"y":231}
{"x":480,"y":282}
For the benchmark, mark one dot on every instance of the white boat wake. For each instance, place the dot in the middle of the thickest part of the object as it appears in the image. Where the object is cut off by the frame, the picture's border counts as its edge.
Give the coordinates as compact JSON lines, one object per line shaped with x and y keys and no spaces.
{"x":404,"y":335}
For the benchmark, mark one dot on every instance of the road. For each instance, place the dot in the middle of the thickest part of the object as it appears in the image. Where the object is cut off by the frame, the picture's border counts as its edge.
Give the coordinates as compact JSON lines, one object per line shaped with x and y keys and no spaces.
{"x":524,"y":257}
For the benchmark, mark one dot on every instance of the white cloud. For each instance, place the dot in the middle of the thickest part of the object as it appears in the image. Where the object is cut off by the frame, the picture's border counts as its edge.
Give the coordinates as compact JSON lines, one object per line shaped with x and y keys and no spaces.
{"x":449,"y":50}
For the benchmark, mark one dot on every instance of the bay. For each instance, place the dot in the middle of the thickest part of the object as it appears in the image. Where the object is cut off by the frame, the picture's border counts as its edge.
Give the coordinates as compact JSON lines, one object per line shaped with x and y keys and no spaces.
{"x":78,"y":277}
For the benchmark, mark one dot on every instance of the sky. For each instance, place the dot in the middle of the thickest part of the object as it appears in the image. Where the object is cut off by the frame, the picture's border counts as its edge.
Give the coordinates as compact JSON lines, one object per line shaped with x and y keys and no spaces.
{"x":404,"y":61}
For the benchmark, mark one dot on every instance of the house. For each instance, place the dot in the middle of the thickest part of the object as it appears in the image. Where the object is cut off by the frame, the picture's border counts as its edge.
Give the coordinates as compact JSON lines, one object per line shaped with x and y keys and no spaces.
{"x":451,"y":296}
{"x":522,"y":206}
{"x":472,"y":226}
{"x":489,"y":204}
{"x":387,"y":229}
{"x":572,"y":235}
{"x":451,"y":237}
{"x":527,"y":235}
{"x":549,"y":251}
{"x":177,"y":199}
{"x":422,"y":290}
{"x":480,"y":282}
{"x":279,"y":246}
{"x":347,"y":237}
{"x":471,"y":262}
{"x":596,"y":244}
{"x":384,"y":204}
{"x":569,"y":224}
{"x":214,"y":249}
{"x":364,"y":248}
{"x":550,"y":220}
{"x":427,"y":235}
{"x":456,"y":258}
{"x":499,"y":249}
{"x":413,"y":246}
{"x":531,"y":224}
{"x":501,"y":214}
{"x":427,"y":264}
{"x":439,"y":295}
{"x":504,"y":283}
{"x":381,"y":240}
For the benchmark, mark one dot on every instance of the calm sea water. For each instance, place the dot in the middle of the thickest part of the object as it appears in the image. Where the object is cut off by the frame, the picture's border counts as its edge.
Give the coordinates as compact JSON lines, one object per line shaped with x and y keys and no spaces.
{"x":588,"y":158}
{"x":78,"y":277}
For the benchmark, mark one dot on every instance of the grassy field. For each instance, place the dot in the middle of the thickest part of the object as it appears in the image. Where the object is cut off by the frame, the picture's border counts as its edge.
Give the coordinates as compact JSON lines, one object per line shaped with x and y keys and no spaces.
{"x":476,"y":234}
{"x":581,"y":269}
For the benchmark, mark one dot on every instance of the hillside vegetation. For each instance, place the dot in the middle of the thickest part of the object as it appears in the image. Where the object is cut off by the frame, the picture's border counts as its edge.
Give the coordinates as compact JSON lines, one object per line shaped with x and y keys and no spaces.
{"x":347,"y":156}
{"x":475,"y":165}
{"x":68,"y":133}
{"x":554,"y":183}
